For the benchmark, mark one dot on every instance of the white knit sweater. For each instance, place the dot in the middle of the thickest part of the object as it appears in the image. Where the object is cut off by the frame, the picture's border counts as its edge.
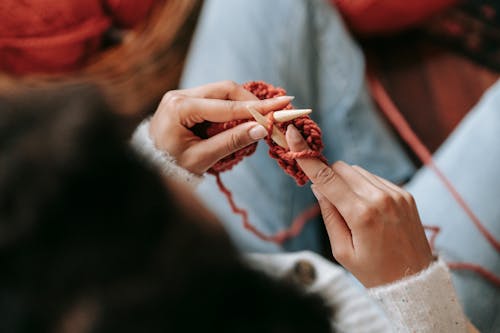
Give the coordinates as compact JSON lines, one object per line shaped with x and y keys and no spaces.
{"x":425,"y":302}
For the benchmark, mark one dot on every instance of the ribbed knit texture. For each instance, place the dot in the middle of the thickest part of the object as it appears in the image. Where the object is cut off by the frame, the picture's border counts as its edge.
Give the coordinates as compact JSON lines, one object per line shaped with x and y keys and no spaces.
{"x":425,"y":302}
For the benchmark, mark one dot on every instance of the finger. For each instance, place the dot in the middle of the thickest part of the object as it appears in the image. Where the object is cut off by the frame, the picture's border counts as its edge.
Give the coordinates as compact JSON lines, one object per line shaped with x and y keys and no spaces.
{"x":382,"y":183}
{"x":360,"y":184}
{"x":375,"y":181}
{"x":403,"y":193}
{"x":328,"y":182}
{"x":395,"y":191}
{"x":337,"y":229}
{"x":374,"y":178}
{"x":219,"y":146}
{"x":229,"y":90}
{"x":197,"y":110}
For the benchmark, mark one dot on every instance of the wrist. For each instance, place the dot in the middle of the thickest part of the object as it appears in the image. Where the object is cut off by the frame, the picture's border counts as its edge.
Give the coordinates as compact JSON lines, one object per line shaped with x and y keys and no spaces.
{"x":162,"y":160}
{"x":423,"y":302}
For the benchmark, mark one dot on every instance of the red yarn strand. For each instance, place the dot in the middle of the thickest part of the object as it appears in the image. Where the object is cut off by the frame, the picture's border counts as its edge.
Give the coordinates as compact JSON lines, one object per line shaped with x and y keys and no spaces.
{"x":281,"y":236}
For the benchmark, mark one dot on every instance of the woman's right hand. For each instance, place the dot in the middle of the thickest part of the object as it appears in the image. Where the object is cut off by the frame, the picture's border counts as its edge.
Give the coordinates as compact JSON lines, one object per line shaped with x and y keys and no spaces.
{"x":373,"y":225}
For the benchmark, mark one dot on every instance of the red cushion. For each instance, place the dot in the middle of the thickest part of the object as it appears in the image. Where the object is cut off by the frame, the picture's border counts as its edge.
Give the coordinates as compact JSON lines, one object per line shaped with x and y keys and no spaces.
{"x":128,"y":13}
{"x":47,"y":36}
{"x":383,"y":16}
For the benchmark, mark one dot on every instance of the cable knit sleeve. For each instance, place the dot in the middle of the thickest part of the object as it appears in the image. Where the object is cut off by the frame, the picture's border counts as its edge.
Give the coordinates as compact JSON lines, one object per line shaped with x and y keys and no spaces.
{"x":141,"y":142}
{"x":425,"y":302}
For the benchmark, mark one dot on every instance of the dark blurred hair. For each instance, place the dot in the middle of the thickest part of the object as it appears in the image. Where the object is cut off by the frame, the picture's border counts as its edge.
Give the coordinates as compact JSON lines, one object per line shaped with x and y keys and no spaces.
{"x":92,"y":241}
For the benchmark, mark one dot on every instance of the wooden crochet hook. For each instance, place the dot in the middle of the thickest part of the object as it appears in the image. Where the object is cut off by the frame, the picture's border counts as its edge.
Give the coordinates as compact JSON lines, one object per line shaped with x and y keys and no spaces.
{"x":276,"y":134}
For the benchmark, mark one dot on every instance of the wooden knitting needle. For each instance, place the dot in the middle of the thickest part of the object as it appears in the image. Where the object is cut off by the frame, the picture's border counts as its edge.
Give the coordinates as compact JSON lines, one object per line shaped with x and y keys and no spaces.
{"x":287,"y":115}
{"x":276,"y":134}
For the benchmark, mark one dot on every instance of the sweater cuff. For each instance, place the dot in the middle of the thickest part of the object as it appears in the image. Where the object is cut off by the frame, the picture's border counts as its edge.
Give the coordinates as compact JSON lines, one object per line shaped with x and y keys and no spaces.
{"x":424,"y":302}
{"x":143,"y":145}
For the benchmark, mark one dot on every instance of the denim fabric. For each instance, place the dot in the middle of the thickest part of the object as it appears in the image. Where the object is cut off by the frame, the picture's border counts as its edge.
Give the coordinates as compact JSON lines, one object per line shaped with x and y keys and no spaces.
{"x":303,"y":46}
{"x":470,"y":158}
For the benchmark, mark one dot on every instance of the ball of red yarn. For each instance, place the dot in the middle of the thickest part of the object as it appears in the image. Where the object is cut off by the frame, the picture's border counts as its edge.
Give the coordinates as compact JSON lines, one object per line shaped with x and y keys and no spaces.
{"x":286,"y":160}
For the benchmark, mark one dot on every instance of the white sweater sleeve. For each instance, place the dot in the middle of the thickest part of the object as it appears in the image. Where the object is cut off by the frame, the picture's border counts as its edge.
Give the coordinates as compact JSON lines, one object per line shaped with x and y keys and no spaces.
{"x":143,"y":145}
{"x":425,"y":302}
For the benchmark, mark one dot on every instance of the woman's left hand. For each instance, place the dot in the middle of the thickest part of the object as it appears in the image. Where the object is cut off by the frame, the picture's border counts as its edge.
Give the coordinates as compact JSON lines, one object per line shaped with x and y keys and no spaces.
{"x":223,"y":101}
{"x":373,"y":225}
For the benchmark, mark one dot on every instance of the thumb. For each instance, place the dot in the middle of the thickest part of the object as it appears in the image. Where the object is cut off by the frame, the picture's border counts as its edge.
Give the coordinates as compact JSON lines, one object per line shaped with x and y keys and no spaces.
{"x":295,"y":140}
{"x":227,"y":142}
{"x":337,"y":229}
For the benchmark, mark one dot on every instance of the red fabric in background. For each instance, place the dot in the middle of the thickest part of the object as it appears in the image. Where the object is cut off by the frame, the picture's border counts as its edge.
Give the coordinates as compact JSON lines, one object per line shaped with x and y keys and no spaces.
{"x":366,"y":17}
{"x":52,"y":36}
{"x":128,"y":13}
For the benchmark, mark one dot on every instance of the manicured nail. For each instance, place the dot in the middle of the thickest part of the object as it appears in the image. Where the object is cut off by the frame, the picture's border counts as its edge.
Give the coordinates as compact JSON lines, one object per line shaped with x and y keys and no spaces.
{"x":316,"y":193}
{"x":257,"y":132}
{"x":284,"y":98}
{"x":293,"y":135}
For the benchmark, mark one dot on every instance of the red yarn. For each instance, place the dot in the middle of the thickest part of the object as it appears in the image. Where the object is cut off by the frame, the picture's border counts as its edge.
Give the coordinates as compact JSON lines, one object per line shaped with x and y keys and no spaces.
{"x":285,"y":158}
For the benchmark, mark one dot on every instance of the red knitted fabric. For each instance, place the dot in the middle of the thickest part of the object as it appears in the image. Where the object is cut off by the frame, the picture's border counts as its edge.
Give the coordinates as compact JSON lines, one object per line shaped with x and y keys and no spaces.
{"x":286,"y":159}
{"x":47,"y":36}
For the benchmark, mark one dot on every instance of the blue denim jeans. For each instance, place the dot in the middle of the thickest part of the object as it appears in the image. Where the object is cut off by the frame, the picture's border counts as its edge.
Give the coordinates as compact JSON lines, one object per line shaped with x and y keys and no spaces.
{"x":470,"y":158}
{"x":303,"y":46}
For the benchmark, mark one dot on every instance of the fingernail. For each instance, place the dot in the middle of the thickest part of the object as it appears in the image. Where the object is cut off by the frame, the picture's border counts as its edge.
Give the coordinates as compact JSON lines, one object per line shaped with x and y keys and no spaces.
{"x":257,"y":132}
{"x":293,"y":135}
{"x":284,"y":98}
{"x":316,"y":193}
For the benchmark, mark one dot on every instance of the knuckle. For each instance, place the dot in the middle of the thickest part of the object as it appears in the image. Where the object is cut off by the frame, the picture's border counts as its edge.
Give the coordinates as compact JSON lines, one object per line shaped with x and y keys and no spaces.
{"x":327,"y":213}
{"x":231,"y":106}
{"x":325,"y":176}
{"x":341,"y":253}
{"x":235,"y":142}
{"x":367,"y":214}
{"x":339,"y":165}
{"x":230,"y":85}
{"x":173,"y":100}
{"x":383,"y":200}
{"x":176,"y":100}
{"x":401,"y":199}
{"x":168,"y":95}
{"x":409,"y":198}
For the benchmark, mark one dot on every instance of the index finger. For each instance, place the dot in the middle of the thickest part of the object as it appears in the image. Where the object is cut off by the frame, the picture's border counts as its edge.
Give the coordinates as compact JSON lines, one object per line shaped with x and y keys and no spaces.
{"x":331,"y":184}
{"x":227,"y":90}
{"x":197,"y":110}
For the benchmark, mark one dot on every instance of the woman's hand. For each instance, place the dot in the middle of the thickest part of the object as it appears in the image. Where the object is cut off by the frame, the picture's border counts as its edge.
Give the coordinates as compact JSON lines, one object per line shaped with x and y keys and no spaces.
{"x":373,"y":225}
{"x":180,"y":110}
